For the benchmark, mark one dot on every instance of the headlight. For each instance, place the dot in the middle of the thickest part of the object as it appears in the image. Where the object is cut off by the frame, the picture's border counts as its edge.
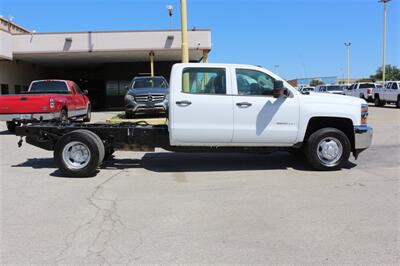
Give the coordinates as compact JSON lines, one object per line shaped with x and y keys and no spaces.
{"x":129,"y":97}
{"x":364,"y":113}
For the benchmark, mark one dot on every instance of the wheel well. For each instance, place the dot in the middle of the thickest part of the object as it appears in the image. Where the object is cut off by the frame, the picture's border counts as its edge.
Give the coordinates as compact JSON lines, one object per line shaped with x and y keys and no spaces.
{"x":343,"y":124}
{"x":376,"y":95}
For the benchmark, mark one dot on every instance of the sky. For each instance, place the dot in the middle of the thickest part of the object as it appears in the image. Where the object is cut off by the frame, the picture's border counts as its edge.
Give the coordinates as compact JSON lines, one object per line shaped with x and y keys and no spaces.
{"x":295,"y":38}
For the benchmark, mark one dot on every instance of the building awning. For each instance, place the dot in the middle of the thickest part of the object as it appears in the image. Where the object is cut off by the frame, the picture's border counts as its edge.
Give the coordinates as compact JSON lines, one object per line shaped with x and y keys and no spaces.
{"x":70,"y":48}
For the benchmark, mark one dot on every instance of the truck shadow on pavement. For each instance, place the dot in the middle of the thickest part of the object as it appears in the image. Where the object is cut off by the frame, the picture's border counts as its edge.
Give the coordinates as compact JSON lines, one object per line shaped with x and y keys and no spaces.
{"x":164,"y":162}
{"x":6,"y":132}
{"x":211,"y":162}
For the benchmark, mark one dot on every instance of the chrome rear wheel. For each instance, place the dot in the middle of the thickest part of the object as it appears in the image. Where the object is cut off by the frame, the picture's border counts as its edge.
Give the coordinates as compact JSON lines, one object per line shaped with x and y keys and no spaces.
{"x":76,"y":155}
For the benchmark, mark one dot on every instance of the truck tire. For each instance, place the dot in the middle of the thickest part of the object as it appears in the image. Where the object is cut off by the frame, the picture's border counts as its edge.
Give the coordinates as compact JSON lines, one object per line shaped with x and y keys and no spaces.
{"x":64,"y":115}
{"x":98,"y":140}
{"x":78,"y":154}
{"x":377,"y":102}
{"x":88,"y":115}
{"x":328,"y":149}
{"x":398,"y":102}
{"x":129,"y":114}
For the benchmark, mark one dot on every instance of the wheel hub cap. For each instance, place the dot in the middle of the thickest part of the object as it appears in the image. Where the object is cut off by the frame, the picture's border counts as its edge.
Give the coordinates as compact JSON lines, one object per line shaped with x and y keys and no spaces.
{"x":330,"y":151}
{"x":76,"y":155}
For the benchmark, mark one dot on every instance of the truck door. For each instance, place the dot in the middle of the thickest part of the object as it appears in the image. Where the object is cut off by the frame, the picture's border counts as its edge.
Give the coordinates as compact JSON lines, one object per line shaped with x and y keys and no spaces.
{"x":79,"y":98}
{"x":391,"y":92}
{"x":201,"y":106}
{"x":259,"y":118}
{"x":394,"y":92}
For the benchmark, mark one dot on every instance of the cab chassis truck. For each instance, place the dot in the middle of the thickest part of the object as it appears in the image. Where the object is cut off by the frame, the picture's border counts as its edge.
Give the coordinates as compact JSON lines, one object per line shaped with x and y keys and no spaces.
{"x":220,"y":108}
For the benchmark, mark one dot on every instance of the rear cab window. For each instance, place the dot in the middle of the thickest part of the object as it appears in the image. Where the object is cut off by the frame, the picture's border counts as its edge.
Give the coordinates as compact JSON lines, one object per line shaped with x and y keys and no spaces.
{"x":204,"y":80}
{"x":49,"y":86}
{"x":334,"y":88}
{"x":367,"y":86}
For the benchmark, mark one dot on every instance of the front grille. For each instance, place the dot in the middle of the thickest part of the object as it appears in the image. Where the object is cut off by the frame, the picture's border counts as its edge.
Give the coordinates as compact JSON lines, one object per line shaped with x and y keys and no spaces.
{"x":155,"y":98}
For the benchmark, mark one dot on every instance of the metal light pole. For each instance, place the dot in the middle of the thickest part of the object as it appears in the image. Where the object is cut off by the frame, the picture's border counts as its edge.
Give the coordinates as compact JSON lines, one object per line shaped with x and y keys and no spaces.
{"x":384,"y":42}
{"x":185,"y":51}
{"x":170,"y":9}
{"x":347,"y":44}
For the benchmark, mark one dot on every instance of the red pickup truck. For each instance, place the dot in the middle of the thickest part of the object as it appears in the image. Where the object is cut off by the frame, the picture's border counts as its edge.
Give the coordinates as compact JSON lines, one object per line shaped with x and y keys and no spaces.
{"x":45,"y":100}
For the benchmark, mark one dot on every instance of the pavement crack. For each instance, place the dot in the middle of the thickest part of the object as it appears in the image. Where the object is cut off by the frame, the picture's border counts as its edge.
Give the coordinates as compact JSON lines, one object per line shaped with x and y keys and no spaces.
{"x":100,"y":240}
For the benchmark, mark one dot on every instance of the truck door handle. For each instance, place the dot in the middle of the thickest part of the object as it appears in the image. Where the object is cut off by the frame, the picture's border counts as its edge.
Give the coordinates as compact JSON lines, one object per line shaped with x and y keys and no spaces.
{"x":183,"y":103}
{"x":243,"y":104}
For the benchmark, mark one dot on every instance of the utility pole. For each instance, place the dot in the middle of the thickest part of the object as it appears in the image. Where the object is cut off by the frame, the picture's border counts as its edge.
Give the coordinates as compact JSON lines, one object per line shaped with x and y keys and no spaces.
{"x":185,"y":51}
{"x":347,"y":44}
{"x":384,"y":42}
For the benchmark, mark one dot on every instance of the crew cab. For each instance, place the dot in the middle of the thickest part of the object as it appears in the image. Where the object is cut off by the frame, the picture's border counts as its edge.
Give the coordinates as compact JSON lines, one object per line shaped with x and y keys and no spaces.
{"x":220,"y":108}
{"x":363,"y":90}
{"x":390,"y":93}
{"x":45,"y":100}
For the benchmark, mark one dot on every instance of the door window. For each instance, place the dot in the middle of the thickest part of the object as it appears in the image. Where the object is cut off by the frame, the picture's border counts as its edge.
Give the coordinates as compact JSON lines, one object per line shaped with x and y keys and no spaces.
{"x":204,"y":80}
{"x":394,"y":86}
{"x":78,"y":90}
{"x":253,"y":82}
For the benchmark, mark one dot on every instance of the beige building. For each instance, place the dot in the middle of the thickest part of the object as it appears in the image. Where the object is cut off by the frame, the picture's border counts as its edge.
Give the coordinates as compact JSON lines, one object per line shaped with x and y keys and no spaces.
{"x":101,"y":62}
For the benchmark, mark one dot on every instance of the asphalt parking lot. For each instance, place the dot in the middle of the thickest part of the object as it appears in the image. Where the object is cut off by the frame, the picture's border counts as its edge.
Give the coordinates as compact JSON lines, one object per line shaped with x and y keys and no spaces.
{"x":204,"y":208}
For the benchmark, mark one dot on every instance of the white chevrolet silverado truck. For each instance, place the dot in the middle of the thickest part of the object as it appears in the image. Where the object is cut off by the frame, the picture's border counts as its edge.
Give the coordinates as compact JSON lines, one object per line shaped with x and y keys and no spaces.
{"x":220,"y":108}
{"x":390,"y":93}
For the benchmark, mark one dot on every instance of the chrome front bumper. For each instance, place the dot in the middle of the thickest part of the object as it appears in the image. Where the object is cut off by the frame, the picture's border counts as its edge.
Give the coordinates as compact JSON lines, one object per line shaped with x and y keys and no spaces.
{"x":29,"y":117}
{"x":362,"y":137}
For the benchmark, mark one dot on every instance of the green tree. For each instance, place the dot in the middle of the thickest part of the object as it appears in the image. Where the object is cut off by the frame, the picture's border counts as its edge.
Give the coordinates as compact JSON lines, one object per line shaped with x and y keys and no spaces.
{"x":392,"y":73}
{"x":316,"y":82}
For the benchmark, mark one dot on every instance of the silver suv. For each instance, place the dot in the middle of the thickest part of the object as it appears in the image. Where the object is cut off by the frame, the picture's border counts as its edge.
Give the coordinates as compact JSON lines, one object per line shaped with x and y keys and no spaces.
{"x":147,"y":95}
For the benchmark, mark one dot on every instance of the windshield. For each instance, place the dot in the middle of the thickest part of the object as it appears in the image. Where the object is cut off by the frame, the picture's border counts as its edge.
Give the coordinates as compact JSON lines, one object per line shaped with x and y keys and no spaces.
{"x":49,"y":86}
{"x":334,"y":88}
{"x":144,"y":83}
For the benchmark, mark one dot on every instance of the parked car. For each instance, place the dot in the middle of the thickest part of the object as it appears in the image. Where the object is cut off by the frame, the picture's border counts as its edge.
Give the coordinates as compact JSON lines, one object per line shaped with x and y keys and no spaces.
{"x":222,"y":108}
{"x":45,"y":100}
{"x":307,"y":88}
{"x":333,"y":89}
{"x":364,"y":90}
{"x":389,"y":94}
{"x":147,"y":95}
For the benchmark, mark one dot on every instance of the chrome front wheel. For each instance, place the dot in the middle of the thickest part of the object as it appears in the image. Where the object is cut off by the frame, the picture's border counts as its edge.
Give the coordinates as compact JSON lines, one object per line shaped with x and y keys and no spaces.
{"x":329,"y":151}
